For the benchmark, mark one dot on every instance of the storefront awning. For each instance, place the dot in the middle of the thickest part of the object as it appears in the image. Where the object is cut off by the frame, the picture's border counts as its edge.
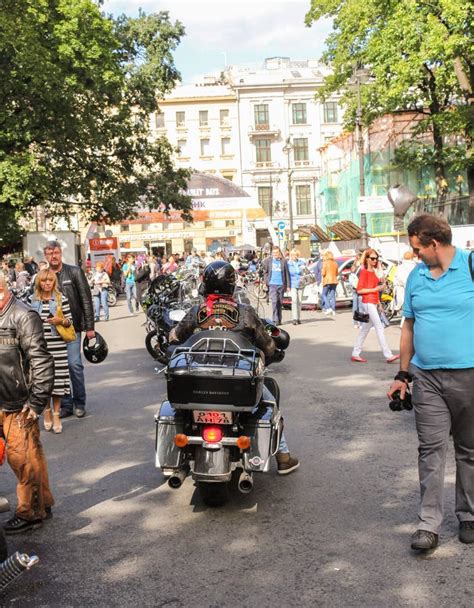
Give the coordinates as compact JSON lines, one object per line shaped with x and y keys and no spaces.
{"x":345,"y":230}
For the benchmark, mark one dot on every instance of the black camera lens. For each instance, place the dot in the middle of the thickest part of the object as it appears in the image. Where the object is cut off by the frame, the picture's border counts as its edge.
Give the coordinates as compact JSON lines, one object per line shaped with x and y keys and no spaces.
{"x":397,"y":404}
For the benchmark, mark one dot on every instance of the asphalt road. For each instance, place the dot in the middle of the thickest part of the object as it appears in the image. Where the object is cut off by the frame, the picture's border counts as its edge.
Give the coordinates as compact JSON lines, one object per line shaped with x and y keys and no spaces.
{"x":334,"y":533}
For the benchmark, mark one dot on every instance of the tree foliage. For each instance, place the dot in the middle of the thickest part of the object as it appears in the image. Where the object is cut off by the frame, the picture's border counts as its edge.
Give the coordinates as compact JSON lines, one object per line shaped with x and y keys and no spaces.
{"x":420,"y":55}
{"x":76,"y":91}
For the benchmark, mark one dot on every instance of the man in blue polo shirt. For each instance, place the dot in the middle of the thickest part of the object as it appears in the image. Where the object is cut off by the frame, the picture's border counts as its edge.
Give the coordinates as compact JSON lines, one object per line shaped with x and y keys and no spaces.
{"x":437,"y":352}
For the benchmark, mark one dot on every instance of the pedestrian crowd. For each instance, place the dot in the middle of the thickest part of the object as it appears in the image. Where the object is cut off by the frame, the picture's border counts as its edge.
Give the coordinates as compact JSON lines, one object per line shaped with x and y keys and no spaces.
{"x":41,"y":368}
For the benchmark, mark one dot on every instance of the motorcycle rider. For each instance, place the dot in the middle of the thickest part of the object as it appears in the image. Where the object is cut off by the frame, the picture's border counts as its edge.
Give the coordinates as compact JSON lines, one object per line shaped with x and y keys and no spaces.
{"x":220,"y":310}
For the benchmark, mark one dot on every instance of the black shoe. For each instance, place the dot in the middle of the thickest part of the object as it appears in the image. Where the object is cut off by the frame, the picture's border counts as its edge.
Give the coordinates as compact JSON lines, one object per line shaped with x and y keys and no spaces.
{"x":49,"y":512}
{"x":299,"y":322}
{"x":423,"y":540}
{"x":65,"y":413}
{"x":17,"y":525}
{"x":295,"y":322}
{"x":466,"y":531}
{"x":80,"y":412}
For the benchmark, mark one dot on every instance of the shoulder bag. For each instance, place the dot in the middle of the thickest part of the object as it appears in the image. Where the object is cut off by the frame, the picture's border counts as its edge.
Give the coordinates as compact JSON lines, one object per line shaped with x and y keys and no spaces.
{"x":359,"y":316}
{"x":68,"y":334}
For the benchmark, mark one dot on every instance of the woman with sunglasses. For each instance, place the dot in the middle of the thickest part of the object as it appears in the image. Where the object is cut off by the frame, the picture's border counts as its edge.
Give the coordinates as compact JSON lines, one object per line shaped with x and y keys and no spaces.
{"x":369,"y":287}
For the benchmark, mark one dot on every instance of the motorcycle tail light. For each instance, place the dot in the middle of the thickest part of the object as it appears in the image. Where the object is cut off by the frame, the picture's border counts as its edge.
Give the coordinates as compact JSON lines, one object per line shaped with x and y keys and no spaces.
{"x":243,"y":442}
{"x":212,"y":434}
{"x":181,"y":440}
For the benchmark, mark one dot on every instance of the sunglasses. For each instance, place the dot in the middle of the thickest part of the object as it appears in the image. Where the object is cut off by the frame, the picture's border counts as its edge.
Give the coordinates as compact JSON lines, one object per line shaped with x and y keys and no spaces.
{"x":372,"y":258}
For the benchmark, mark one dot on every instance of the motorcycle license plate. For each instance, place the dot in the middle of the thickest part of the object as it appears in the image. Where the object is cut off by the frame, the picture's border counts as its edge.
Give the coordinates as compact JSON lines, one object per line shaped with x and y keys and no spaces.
{"x":212,"y":417}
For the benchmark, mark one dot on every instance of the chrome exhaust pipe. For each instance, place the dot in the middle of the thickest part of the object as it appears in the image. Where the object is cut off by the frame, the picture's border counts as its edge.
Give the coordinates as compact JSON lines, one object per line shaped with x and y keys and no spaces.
{"x":177,"y":477}
{"x":245,"y":484}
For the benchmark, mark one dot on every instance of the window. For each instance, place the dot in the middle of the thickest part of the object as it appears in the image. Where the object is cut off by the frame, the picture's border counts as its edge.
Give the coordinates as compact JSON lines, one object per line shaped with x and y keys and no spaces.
{"x":300,"y":148}
{"x":265,"y":195}
{"x":229,"y":176}
{"x":124,"y":227}
{"x":299,"y":113}
{"x":330,"y":111}
{"x":229,"y":223}
{"x":263,"y":150}
{"x":159,"y":120}
{"x":180,"y":119}
{"x":303,"y":200}
{"x":205,"y":147}
{"x":203,"y":118}
{"x":261,"y":115}
{"x":224,"y":118}
{"x":181,"y":147}
{"x":208,"y":224}
{"x":225,"y":146}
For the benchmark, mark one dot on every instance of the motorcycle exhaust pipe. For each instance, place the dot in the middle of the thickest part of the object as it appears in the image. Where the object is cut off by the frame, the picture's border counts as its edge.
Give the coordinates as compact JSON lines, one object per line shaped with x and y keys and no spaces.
{"x":245,"y":484}
{"x":14,"y":566}
{"x":177,"y":478}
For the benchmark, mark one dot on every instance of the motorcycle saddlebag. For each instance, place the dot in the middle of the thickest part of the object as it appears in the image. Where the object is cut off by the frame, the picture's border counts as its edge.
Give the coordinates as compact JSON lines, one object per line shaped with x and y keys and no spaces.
{"x":169,"y":423}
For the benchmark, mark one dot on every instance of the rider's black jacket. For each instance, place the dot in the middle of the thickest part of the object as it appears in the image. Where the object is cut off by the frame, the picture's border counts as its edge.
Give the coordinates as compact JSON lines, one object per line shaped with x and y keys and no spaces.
{"x":226,"y":314}
{"x":26,"y":366}
{"x":73,"y":284}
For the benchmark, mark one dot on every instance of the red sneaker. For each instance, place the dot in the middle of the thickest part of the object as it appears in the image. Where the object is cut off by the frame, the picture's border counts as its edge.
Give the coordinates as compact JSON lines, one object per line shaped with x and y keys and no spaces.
{"x":358,"y":360}
{"x":393,"y":359}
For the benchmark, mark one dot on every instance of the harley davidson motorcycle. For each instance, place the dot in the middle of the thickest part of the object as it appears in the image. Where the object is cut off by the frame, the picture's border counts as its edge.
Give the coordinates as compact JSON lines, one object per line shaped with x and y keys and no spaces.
{"x":11,"y":567}
{"x":221,"y":416}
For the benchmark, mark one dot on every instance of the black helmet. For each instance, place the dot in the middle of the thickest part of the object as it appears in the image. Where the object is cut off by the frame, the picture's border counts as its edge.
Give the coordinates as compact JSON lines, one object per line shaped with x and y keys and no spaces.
{"x":219,"y":278}
{"x":96,"y":353}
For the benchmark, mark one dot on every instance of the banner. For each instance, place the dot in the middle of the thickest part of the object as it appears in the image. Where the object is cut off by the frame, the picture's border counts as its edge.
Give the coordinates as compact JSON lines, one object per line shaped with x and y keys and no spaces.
{"x":100,"y":248}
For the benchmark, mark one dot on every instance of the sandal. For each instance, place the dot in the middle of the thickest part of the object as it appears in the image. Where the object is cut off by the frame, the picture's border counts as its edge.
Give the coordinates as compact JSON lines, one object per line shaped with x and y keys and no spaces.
{"x":57,"y":424}
{"x":47,"y":421}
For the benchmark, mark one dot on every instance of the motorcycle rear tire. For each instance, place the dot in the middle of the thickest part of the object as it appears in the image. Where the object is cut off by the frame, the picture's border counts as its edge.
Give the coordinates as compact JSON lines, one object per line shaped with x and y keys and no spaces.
{"x":214,"y":494}
{"x":153,"y":347}
{"x":3,"y":546}
{"x":388,"y":310}
{"x":111,"y":299}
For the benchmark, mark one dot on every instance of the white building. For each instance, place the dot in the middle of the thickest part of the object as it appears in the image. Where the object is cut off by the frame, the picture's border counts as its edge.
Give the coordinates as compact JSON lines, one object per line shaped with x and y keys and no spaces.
{"x":260,"y":128}
{"x":282,"y":125}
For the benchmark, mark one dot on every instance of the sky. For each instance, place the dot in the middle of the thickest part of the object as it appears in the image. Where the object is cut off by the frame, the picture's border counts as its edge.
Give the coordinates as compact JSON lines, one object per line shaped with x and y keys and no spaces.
{"x":230,"y":32}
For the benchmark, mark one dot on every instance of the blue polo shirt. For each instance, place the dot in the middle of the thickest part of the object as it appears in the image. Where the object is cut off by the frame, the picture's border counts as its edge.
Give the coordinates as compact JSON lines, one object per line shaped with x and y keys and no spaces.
{"x":443,"y":310}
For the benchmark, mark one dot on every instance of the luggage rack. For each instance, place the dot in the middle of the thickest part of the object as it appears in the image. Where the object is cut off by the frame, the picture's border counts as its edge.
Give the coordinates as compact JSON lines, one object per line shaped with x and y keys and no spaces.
{"x":218,"y":352}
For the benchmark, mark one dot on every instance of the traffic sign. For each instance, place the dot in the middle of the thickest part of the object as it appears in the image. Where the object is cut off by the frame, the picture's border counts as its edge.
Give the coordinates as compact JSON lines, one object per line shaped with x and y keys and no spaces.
{"x":281,"y":226}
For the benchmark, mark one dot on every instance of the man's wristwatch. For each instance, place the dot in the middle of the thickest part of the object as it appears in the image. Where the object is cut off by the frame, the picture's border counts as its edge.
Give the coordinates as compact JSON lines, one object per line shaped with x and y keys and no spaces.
{"x":404,"y":376}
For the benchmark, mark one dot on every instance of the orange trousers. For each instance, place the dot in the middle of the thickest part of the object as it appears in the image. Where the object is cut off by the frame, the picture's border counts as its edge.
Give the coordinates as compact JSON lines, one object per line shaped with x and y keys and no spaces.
{"x":26,"y":457}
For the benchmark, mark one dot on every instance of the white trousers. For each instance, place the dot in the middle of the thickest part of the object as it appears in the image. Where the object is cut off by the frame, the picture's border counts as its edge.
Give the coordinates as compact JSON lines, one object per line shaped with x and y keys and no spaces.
{"x":379,"y":330}
{"x":296,"y":303}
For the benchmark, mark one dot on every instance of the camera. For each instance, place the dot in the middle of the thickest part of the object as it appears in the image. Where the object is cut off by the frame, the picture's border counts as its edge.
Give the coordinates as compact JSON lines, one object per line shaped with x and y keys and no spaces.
{"x":397,"y":404}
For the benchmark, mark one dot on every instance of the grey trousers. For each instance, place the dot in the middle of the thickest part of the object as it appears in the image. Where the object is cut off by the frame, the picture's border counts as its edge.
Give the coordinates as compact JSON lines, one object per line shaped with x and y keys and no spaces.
{"x":444,"y":399}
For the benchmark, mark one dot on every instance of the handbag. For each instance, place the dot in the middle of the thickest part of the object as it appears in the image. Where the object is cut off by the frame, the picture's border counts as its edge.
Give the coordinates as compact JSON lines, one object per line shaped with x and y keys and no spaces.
{"x":360,"y":317}
{"x":68,"y":334}
{"x":143,"y":274}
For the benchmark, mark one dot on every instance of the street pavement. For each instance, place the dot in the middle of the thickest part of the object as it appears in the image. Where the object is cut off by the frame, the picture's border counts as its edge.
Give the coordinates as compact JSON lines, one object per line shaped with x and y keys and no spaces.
{"x":334,"y":533}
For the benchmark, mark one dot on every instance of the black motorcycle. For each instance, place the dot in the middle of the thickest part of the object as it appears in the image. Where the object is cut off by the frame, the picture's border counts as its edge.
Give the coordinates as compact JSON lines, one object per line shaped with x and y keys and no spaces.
{"x":221,"y":416}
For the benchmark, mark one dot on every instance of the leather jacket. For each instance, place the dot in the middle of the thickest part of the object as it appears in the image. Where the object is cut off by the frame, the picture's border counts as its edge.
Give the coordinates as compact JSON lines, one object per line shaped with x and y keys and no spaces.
{"x":226,"y":314}
{"x":73,"y":284}
{"x":26,"y":366}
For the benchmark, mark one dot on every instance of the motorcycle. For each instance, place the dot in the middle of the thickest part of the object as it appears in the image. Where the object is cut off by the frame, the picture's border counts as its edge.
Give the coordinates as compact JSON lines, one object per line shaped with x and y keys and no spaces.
{"x":165,"y":306}
{"x":389,"y":301}
{"x":11,"y":567}
{"x":111,"y":295}
{"x":221,"y":416}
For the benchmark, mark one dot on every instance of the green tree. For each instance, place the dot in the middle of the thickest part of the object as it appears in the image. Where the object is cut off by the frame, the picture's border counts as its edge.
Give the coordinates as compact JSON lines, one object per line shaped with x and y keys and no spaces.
{"x":76,"y":91}
{"x":420,"y":54}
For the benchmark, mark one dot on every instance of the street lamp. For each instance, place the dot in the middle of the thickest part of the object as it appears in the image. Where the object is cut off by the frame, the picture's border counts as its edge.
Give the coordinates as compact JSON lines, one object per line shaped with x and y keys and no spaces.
{"x":359,"y":75}
{"x":287,"y":150}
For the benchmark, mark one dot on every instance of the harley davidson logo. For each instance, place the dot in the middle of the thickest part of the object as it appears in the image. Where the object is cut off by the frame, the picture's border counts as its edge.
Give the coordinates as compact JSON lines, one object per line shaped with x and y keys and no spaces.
{"x":200,"y":392}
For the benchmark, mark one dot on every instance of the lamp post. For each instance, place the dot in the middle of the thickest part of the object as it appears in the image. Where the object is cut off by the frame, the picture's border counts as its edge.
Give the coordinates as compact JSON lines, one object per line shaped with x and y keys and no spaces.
{"x":287,"y":150}
{"x":360,"y":154}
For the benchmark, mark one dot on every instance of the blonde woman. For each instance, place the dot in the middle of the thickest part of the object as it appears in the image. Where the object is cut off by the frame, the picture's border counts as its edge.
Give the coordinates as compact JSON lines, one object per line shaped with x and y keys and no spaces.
{"x":329,"y":275}
{"x":45,"y":302}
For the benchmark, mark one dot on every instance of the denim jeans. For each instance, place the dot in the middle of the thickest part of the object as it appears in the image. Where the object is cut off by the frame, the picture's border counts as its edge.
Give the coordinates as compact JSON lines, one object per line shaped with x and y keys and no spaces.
{"x":131,"y":294}
{"x":102,"y":300}
{"x":276,"y":296}
{"x":283,"y":447}
{"x":329,"y":297}
{"x":76,"y":372}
